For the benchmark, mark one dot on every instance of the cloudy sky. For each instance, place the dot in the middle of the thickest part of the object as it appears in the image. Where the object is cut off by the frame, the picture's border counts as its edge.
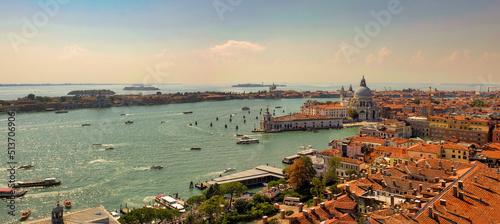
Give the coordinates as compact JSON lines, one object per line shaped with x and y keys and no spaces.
{"x":240,"y":41}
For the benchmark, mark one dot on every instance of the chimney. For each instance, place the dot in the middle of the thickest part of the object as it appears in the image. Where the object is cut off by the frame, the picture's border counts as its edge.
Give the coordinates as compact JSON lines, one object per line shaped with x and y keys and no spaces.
{"x":440,"y":164}
{"x":313,"y":211}
{"x":430,"y":212}
{"x":394,"y":182}
{"x":419,"y":203}
{"x":392,"y":200}
{"x":334,"y":197}
{"x":443,"y":183}
{"x":301,"y":207}
{"x":329,"y":196}
{"x":282,"y":213}
{"x":454,"y":172}
{"x":452,"y":167}
{"x":342,"y":180}
{"x":461,"y":195}
{"x":460,"y":185}
{"x":442,"y":202}
{"x":348,"y":188}
{"x":410,"y":185}
{"x":406,"y":162}
{"x":475,"y":179}
{"x":305,"y":213}
{"x":264,"y":220}
{"x":420,"y":187}
{"x":316,"y":201}
{"x":455,"y":191}
{"x":322,"y":205}
{"x":440,"y":188}
{"x":420,"y":171}
{"x":436,"y":179}
{"x":411,"y":158}
{"x":429,"y":190}
{"x":436,"y":216}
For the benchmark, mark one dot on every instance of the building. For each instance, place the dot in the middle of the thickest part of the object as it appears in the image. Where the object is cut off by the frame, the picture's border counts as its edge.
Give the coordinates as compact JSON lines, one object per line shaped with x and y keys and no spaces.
{"x":387,"y":129}
{"x":419,"y":126}
{"x":455,"y":152}
{"x":425,"y":151}
{"x":463,"y":128}
{"x":362,"y":102}
{"x":495,"y":135}
{"x":294,"y":122}
{"x":330,"y":110}
{"x":91,"y":215}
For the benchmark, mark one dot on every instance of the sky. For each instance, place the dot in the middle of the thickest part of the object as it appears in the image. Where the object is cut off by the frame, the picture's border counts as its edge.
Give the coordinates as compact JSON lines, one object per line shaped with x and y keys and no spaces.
{"x":249,"y":41}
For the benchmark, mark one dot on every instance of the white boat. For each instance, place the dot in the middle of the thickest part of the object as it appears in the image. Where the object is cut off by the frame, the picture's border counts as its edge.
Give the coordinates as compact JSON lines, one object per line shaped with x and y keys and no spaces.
{"x":156,"y":167}
{"x":170,"y":202}
{"x":115,"y":214}
{"x":247,"y":140}
{"x":229,"y":170}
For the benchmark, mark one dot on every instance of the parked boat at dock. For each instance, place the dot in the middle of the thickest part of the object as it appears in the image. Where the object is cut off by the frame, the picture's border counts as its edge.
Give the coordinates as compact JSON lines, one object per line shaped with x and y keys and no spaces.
{"x":67,"y":203}
{"x":11,"y":192}
{"x":38,"y":183}
{"x":170,"y":203}
{"x":290,"y":159}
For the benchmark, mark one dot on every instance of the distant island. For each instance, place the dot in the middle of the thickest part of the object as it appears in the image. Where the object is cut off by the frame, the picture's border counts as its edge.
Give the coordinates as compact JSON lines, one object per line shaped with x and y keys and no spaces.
{"x":146,"y":88}
{"x":255,"y":85}
{"x":91,"y":92}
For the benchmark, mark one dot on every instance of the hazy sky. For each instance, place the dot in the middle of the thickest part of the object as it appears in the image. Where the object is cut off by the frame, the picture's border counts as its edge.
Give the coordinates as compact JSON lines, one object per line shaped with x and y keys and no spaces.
{"x":240,"y":41}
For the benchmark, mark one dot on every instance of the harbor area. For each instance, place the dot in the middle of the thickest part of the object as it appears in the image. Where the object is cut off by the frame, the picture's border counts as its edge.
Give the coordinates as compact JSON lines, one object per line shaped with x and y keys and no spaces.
{"x":258,"y":175}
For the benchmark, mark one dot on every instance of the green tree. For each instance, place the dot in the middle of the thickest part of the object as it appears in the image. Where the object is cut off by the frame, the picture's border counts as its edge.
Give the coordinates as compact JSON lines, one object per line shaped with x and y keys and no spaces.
{"x":166,"y":214}
{"x":31,"y":96}
{"x":319,"y":186}
{"x":213,"y":190}
{"x":258,"y":198}
{"x":196,"y":200}
{"x":39,"y":98}
{"x":191,"y":219}
{"x":331,"y":169}
{"x":296,"y":174}
{"x":128,"y":219}
{"x":143,"y":215}
{"x":63,"y":99}
{"x":478,"y":103}
{"x":352,"y":113}
{"x":328,"y":102}
{"x":242,"y":206}
{"x":212,"y":207}
{"x":233,"y":188}
{"x":308,"y":165}
{"x":351,"y":171}
{"x":415,"y":101}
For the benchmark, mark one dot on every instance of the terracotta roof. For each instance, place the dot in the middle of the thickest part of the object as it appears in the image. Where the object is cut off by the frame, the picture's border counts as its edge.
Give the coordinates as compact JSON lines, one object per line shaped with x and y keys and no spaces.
{"x":329,"y":152}
{"x":349,"y":160}
{"x":455,"y":147}
{"x":491,"y":154}
{"x":427,"y":148}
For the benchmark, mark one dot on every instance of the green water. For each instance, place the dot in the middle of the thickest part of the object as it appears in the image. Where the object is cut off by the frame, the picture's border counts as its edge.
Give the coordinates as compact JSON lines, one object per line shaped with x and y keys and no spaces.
{"x":59,"y":146}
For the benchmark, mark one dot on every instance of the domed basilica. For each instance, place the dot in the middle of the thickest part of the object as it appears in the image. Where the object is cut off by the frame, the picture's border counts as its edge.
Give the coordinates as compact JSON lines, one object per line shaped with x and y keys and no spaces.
{"x":361,"y":101}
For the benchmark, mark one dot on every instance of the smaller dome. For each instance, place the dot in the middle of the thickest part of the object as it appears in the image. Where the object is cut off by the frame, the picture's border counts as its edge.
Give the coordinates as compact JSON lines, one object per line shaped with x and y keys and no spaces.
{"x":363,"y":92}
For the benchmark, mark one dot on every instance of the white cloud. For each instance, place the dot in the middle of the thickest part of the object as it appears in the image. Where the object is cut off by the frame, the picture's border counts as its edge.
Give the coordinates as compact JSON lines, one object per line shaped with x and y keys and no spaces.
{"x":72,"y":51}
{"x":233,"y":51}
{"x":379,"y":57}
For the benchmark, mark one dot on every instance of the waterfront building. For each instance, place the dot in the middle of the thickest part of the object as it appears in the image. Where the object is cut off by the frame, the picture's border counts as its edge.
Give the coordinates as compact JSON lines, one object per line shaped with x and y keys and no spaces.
{"x":90,"y":215}
{"x":361,"y":101}
{"x":331,"y":110}
{"x":295,"y":122}
{"x":463,"y":128}
{"x":387,"y":129}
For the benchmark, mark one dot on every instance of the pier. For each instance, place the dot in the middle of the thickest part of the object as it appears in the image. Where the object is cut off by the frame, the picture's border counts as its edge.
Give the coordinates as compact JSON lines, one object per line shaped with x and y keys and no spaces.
{"x":258,"y":175}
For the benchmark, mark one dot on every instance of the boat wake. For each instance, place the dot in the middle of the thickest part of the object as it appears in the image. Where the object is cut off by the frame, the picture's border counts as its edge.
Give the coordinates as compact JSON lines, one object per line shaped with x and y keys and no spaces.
{"x":100,"y":161}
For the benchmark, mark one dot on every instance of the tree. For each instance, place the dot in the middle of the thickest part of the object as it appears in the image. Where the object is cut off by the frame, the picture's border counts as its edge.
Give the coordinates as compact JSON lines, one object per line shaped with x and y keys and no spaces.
{"x":331,"y":169}
{"x":233,"y":188}
{"x":212,"y":207}
{"x":242,"y":206}
{"x":319,"y":186}
{"x":166,"y":214}
{"x":350,"y":172}
{"x":478,"y":103}
{"x":352,"y":113}
{"x":31,"y":96}
{"x":308,"y":165}
{"x":258,"y":198}
{"x":296,"y":174}
{"x":141,"y":215}
{"x":63,"y":99}
{"x":415,"y":101}
{"x":328,"y":102}
{"x":213,"y":190}
{"x":196,"y":200}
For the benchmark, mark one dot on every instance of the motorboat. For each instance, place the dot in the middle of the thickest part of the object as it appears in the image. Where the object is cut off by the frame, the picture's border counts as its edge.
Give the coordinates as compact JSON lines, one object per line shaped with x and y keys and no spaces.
{"x":11,"y":192}
{"x":196,"y":148}
{"x":29,"y":166}
{"x":61,"y":111}
{"x":115,"y":214}
{"x":245,"y":108}
{"x":129,"y":122}
{"x":85,"y":124}
{"x":187,"y":112}
{"x":239,"y":135}
{"x":38,"y":183}
{"x":170,"y":203}
{"x":109,"y":148}
{"x":67,"y":203}
{"x":247,"y":140}
{"x":25,"y":215}
{"x":277,"y":107}
{"x":96,"y":144}
{"x":229,"y":170}
{"x":156,"y":167}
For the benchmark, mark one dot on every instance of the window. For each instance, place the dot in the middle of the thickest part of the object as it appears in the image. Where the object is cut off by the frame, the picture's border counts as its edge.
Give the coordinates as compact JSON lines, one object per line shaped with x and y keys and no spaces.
{"x":452,"y":156}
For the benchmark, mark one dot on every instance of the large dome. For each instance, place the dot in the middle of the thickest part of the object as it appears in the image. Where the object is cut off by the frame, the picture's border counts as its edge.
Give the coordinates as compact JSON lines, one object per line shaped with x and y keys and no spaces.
{"x":363,"y":91}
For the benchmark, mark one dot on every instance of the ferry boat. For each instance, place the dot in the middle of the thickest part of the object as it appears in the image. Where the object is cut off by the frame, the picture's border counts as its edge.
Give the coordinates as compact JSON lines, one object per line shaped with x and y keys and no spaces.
{"x":67,"y":203}
{"x":187,"y":112}
{"x":290,"y":159}
{"x":25,"y":215}
{"x":156,"y":167}
{"x":170,"y":203}
{"x":247,"y":140}
{"x":11,"y":192}
{"x":38,"y":183}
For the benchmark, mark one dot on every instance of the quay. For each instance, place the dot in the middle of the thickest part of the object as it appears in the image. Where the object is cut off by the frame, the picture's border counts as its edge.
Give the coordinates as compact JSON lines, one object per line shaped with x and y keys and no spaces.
{"x":363,"y":123}
{"x":258,"y":175}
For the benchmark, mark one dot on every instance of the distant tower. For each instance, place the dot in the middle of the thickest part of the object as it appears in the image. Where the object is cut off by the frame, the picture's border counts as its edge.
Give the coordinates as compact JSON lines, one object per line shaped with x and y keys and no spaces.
{"x":342,"y":94}
{"x":350,"y":87}
{"x":363,"y":82}
{"x":429,"y":103}
{"x":265,"y":123}
{"x":57,"y":214}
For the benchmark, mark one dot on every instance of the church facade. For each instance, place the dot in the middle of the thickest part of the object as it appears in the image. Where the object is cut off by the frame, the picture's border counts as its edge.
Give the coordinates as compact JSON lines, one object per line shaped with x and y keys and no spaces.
{"x":361,"y":100}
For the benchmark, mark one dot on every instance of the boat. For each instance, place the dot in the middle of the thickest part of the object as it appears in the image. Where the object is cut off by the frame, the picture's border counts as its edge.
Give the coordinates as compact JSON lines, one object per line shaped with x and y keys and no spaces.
{"x":67,"y":203}
{"x":187,"y":112}
{"x":201,"y":186}
{"x":290,"y":159}
{"x":156,"y":167}
{"x":196,"y":148}
{"x":11,"y":192}
{"x":96,"y":144}
{"x":85,"y":124}
{"x":239,"y":135}
{"x":245,"y":108}
{"x":109,"y":148}
{"x":26,"y":166}
{"x":170,"y":203}
{"x":25,"y":214}
{"x":277,"y":107}
{"x":38,"y":183}
{"x":61,"y":111}
{"x":247,"y":140}
{"x":129,"y":122}
{"x":229,"y":170}
{"x":115,"y":214}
